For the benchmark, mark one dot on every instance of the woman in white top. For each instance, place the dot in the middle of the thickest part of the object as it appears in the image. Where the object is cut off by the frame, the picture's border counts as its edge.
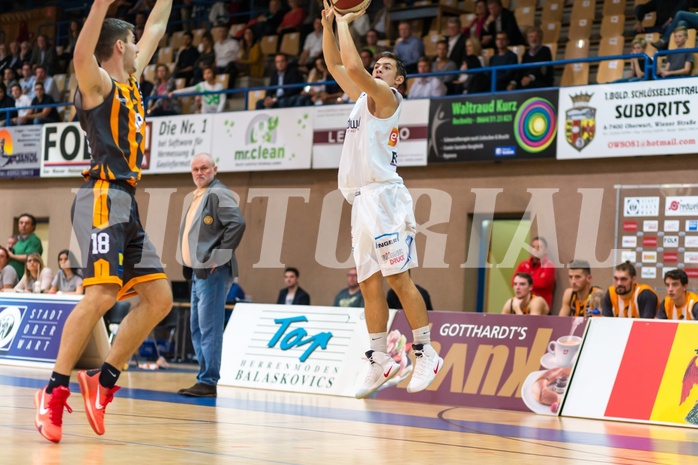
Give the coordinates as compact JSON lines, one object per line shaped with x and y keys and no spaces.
{"x":68,"y":279}
{"x":35,"y":273}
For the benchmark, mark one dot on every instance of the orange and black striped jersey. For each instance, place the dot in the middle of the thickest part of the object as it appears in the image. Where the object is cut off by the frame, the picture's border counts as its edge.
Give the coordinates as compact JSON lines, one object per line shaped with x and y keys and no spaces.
{"x":668,"y":308}
{"x":115,"y":133}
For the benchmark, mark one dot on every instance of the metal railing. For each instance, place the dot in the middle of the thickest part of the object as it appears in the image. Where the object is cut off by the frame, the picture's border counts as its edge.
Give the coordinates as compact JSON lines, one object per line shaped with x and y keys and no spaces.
{"x":493,"y":78}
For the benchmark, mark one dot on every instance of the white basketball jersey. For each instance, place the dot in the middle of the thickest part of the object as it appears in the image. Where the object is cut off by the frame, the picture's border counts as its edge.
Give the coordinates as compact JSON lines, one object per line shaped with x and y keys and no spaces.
{"x":370,"y":148}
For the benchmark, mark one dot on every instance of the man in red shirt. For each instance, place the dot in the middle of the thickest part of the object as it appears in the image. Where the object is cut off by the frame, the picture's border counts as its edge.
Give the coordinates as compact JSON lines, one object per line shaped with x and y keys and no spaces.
{"x":541,"y":269}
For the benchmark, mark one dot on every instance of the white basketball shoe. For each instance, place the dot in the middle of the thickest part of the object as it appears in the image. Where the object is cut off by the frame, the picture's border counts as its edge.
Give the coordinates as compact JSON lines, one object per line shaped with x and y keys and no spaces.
{"x":427,"y":366}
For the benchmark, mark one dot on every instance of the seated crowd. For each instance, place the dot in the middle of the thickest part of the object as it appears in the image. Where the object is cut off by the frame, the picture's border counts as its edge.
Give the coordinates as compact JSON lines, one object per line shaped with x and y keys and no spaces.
{"x":212,"y":60}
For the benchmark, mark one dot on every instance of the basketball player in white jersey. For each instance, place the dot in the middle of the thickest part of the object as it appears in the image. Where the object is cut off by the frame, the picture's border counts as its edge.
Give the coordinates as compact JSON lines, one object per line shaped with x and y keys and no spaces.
{"x":382,"y":218}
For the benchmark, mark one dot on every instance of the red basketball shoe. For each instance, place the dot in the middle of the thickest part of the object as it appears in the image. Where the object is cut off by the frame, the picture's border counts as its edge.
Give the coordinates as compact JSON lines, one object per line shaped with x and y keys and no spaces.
{"x":49,"y":412}
{"x":96,"y":398}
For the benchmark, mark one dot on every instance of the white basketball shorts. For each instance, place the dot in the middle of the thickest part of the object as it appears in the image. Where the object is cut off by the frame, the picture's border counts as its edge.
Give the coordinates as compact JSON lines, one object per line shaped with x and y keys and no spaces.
{"x":382,"y":230}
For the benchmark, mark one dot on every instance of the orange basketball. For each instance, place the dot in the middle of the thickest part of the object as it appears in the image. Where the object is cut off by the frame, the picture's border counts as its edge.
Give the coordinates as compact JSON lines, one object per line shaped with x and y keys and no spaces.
{"x":348,"y":6}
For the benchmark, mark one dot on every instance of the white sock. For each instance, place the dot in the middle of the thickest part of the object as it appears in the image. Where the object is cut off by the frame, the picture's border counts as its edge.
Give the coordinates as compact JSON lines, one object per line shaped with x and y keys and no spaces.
{"x":379,"y":341}
{"x":422,"y":335}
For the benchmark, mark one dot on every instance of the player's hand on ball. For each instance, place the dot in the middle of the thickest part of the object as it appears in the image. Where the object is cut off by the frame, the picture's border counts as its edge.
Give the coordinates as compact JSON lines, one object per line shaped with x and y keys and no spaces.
{"x":327,"y":14}
{"x":349,"y":17}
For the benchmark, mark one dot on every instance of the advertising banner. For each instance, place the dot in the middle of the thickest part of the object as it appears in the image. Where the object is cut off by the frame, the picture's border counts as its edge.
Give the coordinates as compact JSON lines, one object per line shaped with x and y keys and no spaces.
{"x":174,"y":140}
{"x":517,"y":125}
{"x":31,"y":326}
{"x":511,"y":362}
{"x":295,"y":348}
{"x":19,"y":152}
{"x":331,"y":123}
{"x":637,"y":370}
{"x":263,"y":140}
{"x":642,"y":118}
{"x":65,"y":152}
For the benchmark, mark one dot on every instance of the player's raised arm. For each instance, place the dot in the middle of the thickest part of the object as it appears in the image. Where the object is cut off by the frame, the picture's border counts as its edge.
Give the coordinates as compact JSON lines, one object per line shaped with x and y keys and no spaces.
{"x":333,"y":59}
{"x":376,"y":88}
{"x":90,"y":77}
{"x":154,"y":30}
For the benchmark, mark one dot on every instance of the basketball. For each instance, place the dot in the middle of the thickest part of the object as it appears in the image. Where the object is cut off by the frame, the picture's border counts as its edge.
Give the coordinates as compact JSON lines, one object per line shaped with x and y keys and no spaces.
{"x":348,"y":6}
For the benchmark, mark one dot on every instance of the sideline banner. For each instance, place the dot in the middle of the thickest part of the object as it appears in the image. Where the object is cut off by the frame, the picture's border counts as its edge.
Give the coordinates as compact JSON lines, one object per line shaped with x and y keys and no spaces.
{"x":295,"y":348}
{"x":31,"y":326}
{"x":491,"y":360}
{"x":20,"y":147}
{"x":516,"y":125}
{"x":263,"y":140}
{"x":331,"y":123}
{"x":173,"y":141}
{"x":637,"y":370}
{"x":64,"y":150}
{"x":638,"y":118}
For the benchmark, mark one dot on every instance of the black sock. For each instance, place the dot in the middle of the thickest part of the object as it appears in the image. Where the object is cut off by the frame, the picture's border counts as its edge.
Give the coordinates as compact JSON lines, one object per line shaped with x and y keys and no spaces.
{"x":56,"y":380}
{"x":108,"y":375}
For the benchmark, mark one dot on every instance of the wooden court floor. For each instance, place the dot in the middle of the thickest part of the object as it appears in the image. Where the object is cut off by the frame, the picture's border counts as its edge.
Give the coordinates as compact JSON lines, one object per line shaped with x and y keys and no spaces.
{"x":148,"y":423}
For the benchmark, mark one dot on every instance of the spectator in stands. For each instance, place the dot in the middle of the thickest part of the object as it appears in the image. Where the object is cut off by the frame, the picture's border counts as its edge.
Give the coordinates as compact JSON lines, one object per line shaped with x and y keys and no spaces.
{"x":636,"y":66}
{"x":427,"y":86}
{"x":25,"y":52}
{"x":358,"y":30}
{"x":10,"y":77}
{"x":4,"y":58}
{"x":535,"y":77}
{"x":6,"y":102}
{"x":442,"y":63}
{"x":525,"y":301}
{"x":21,"y":101}
{"x":292,"y":294}
{"x":8,"y":275}
{"x":408,"y":47}
{"x":292,"y":20}
{"x":15,"y":61}
{"x":477,"y":25}
{"x":351,"y":295}
{"x":210,"y":103}
{"x":266,"y":24}
{"x":227,"y":53}
{"x":665,"y":10}
{"x":687,"y":19}
{"x":251,"y":61}
{"x":163,"y":85}
{"x":50,"y":86}
{"x":456,"y":41}
{"x":678,"y":64}
{"x":367,"y":59}
{"x":500,"y":19}
{"x":27,"y":80}
{"x":11,"y":242}
{"x":207,"y":57}
{"x":46,"y":114}
{"x":73,"y":32}
{"x":68,"y":280}
{"x":581,"y":298}
{"x":504,"y":57}
{"x":379,"y":21}
{"x":320,"y":94}
{"x":44,"y":54}
{"x":312,"y":47}
{"x":35,"y":278}
{"x":627,"y":298}
{"x":470,"y":83}
{"x":541,"y":270}
{"x":372,"y":43}
{"x":146,"y":86}
{"x":394,"y":301}
{"x":282,"y":97}
{"x":186,"y":58}
{"x":680,"y":303}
